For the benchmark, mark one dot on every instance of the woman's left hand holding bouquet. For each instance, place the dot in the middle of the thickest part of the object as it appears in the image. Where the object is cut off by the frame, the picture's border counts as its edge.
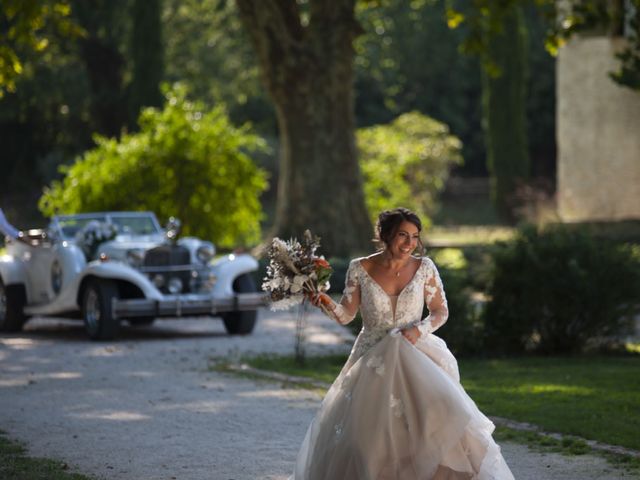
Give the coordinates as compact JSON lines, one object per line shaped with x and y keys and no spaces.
{"x":322,"y":300}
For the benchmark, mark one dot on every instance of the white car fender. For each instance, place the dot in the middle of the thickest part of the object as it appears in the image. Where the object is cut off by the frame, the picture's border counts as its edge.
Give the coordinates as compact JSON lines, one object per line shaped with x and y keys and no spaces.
{"x":68,"y":299}
{"x":12,"y":271}
{"x":228,"y":268}
{"x":120,"y":271}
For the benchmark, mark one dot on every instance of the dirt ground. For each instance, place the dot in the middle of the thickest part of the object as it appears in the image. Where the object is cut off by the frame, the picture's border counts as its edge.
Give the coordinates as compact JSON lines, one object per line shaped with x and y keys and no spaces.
{"x":148,"y":407}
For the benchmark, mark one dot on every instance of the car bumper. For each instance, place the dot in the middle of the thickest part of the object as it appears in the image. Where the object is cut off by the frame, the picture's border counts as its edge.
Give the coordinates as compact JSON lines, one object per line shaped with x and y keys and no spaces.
{"x":186,"y":305}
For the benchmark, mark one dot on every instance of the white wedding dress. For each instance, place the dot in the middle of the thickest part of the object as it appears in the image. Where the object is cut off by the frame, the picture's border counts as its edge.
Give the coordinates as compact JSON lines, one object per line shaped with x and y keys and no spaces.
{"x":397,"y":411}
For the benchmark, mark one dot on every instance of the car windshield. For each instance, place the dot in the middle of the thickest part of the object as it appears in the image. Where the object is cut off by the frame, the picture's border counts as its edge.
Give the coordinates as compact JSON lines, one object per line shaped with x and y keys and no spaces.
{"x":69,"y":226}
{"x":125,"y":224}
{"x":138,"y":225}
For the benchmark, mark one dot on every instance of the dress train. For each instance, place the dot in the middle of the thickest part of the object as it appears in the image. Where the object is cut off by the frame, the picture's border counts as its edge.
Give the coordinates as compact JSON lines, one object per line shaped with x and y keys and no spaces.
{"x":400,"y":413}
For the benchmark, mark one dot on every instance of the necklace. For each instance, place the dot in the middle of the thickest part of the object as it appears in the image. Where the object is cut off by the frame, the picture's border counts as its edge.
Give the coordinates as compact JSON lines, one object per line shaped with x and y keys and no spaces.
{"x":391,"y":272}
{"x":397,"y":272}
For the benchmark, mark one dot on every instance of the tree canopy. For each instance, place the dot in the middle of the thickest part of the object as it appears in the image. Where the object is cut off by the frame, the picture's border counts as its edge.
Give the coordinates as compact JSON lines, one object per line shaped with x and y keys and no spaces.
{"x":185,"y":161}
{"x":564,"y":19}
{"x":406,"y":163}
{"x":27,"y":25}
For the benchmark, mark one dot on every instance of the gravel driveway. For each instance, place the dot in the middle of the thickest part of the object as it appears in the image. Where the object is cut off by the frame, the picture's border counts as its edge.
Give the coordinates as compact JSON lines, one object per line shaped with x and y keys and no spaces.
{"x":147,"y":407}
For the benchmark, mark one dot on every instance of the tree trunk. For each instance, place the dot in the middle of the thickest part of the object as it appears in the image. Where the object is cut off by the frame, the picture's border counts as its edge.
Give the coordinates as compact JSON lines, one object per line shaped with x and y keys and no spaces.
{"x":147,"y":55}
{"x":308,"y":71}
{"x":105,"y":64}
{"x":504,"y":105}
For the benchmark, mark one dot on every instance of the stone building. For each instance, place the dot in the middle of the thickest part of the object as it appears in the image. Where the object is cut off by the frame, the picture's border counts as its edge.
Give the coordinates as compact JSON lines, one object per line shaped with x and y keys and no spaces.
{"x":598,"y":134}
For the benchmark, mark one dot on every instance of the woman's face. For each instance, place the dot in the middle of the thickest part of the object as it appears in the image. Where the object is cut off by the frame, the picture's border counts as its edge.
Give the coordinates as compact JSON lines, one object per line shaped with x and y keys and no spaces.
{"x":404,"y":241}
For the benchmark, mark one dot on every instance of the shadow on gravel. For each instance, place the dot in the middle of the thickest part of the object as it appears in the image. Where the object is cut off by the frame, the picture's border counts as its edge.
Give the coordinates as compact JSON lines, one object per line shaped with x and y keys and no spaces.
{"x":73,"y":331}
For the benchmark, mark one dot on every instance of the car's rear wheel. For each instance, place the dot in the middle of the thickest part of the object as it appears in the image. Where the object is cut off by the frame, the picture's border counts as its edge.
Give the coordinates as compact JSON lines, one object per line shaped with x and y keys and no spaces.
{"x":241,"y":322}
{"x":97,"y":310}
{"x":12,"y":301}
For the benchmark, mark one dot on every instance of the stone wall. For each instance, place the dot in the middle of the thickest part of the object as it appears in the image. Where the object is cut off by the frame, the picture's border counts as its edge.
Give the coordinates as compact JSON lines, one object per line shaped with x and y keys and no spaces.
{"x":598,"y":134}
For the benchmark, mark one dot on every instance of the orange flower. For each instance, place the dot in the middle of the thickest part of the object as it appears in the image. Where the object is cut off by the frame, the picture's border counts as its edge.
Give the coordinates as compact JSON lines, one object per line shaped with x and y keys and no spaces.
{"x":322,"y":263}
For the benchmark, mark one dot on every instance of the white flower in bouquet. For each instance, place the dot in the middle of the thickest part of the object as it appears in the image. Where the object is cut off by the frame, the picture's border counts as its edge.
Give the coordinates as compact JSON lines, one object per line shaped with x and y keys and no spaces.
{"x":294,"y":271}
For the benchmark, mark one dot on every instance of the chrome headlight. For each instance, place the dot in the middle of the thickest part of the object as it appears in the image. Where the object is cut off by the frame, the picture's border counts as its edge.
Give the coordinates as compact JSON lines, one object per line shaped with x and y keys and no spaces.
{"x":205,"y":253}
{"x":135,"y":257}
{"x":175,"y":285}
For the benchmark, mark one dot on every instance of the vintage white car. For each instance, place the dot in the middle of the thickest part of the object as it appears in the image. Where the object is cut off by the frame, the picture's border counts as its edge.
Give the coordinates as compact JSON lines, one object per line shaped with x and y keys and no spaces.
{"x":113,"y":266}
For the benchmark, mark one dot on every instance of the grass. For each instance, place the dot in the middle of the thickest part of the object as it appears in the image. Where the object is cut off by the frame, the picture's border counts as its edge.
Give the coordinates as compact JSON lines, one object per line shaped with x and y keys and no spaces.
{"x":466,"y":210}
{"x":567,"y":446}
{"x":467,"y":235}
{"x":595,"y":397}
{"x":16,"y":465}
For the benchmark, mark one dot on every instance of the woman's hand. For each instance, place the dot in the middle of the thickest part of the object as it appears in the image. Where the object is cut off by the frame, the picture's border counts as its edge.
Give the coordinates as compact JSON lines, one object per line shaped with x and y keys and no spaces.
{"x":322,"y":299}
{"x":411,"y":334}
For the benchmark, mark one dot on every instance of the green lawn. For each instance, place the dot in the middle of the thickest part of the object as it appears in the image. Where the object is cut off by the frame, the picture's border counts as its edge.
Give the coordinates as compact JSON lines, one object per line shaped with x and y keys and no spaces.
{"x":460,"y":236}
{"x":596,"y":397}
{"x":14,"y":464}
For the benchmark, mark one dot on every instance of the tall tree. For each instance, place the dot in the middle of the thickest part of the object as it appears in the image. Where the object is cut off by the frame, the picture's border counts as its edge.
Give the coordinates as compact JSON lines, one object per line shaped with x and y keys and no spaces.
{"x":504,"y":105}
{"x":306,"y":53}
{"x":102,"y":52}
{"x":147,"y":57}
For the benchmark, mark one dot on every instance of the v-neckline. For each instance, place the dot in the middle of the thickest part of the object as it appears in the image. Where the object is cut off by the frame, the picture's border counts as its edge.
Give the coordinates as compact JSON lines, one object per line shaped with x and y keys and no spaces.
{"x":389,"y":296}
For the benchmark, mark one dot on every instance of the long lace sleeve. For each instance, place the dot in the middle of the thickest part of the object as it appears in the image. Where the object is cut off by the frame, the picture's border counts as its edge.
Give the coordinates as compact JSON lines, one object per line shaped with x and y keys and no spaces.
{"x":346,"y":309}
{"x":435,"y":299}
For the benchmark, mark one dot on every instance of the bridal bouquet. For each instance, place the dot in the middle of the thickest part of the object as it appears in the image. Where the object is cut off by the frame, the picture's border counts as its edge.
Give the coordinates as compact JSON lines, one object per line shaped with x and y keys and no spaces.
{"x":294,"y":271}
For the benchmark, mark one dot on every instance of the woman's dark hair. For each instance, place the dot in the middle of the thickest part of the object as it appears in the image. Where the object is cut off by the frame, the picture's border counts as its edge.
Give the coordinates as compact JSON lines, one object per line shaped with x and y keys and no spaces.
{"x":389,"y":221}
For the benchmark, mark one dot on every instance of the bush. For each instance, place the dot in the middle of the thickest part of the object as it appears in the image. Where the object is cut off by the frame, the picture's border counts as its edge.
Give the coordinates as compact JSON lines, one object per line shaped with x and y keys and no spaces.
{"x":184,"y":162}
{"x":463,"y":329}
{"x":406,"y":163}
{"x":553,"y":291}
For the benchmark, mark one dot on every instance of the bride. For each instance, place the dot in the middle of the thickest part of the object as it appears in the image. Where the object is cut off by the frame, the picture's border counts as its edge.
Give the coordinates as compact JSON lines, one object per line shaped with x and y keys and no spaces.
{"x":397,"y":410}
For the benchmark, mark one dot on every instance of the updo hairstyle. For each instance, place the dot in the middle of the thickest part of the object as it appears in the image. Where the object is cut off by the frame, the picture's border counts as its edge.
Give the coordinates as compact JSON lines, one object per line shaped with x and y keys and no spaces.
{"x":388,"y":223}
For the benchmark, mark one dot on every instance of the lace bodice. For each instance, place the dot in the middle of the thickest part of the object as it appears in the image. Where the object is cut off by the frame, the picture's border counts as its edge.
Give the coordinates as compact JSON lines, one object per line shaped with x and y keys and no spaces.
{"x":376,"y":306}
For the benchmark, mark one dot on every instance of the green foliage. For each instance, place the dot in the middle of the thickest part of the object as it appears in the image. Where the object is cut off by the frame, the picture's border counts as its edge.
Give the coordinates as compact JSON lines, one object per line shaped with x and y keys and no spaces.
{"x":22,"y":28}
{"x":17,"y":465}
{"x":407,"y":60}
{"x":504,"y":103}
{"x":406,"y":163}
{"x":564,"y":19}
{"x":208,"y":50}
{"x":556,"y":290}
{"x":185,"y":161}
{"x":602,"y":17}
{"x":463,"y":329}
{"x":628,"y":72}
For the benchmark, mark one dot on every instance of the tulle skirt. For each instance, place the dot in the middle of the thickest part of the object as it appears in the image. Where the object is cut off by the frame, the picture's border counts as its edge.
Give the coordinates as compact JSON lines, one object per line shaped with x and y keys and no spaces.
{"x":400,"y":413}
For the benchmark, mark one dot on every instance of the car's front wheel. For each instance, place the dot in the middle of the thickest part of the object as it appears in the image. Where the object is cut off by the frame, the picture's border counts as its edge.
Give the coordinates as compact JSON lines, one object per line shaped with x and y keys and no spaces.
{"x":12,"y":301}
{"x":97,"y":310}
{"x":241,"y":322}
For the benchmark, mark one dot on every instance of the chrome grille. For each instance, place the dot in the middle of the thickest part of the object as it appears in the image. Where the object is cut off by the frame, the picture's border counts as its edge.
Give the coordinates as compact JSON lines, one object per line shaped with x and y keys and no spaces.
{"x":170,"y":261}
